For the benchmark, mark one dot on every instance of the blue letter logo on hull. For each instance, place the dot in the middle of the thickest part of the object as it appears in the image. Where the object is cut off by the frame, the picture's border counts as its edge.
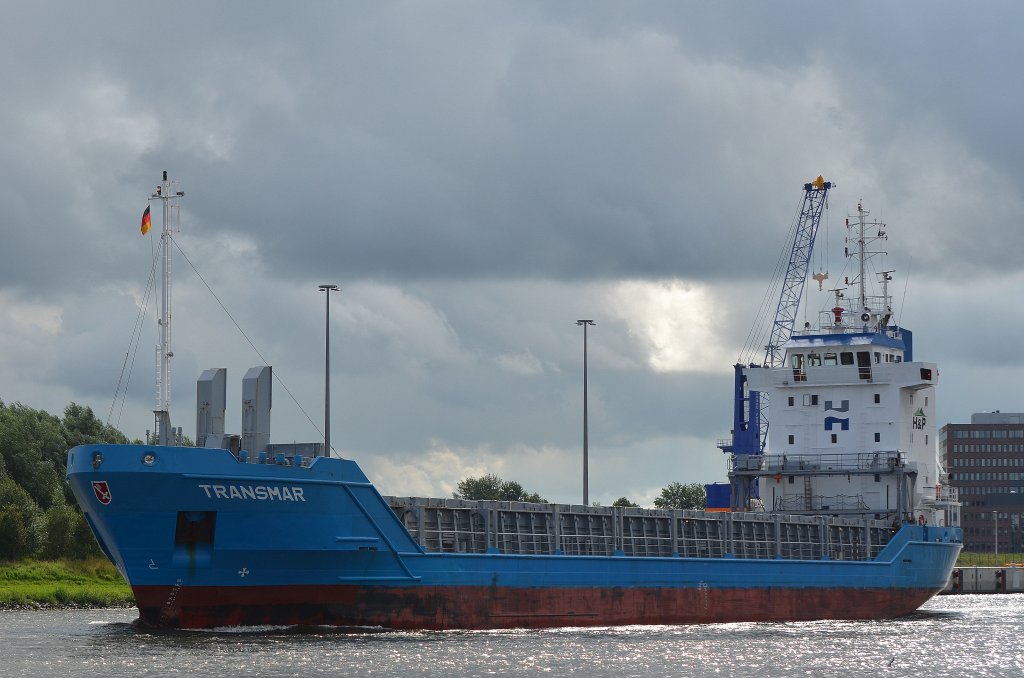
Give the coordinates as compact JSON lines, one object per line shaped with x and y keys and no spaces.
{"x":844,"y":424}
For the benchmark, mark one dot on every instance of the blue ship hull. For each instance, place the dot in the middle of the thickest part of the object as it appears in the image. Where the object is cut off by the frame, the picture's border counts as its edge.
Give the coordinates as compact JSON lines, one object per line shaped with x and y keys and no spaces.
{"x":206,"y":540}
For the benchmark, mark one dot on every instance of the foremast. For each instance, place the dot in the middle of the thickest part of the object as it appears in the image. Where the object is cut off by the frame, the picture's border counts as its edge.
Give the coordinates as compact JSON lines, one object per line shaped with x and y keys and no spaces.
{"x":169,"y":194}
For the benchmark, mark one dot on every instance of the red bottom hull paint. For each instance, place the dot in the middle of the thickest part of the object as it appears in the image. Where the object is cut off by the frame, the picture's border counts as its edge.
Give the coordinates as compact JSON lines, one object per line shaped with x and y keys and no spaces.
{"x":491,"y":608}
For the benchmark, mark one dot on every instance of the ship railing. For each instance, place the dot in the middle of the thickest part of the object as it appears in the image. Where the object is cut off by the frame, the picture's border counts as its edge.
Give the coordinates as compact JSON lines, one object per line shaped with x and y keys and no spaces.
{"x":945,"y":499}
{"x":782,"y":463}
{"x":462,"y":526}
{"x":850,"y":321}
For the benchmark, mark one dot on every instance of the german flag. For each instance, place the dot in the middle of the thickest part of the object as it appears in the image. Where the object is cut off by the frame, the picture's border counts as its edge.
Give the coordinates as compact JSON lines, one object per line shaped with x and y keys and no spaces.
{"x":146,"y":223}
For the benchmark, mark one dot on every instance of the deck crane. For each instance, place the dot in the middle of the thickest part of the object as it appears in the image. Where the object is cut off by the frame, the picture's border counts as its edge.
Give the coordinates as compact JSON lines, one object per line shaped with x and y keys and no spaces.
{"x":750,"y":421}
{"x":815,"y":194}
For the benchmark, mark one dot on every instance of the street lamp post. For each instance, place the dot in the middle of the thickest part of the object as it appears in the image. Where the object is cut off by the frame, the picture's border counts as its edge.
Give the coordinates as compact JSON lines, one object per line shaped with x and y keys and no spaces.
{"x":327,"y":289}
{"x":586,"y":471}
{"x":995,"y":530}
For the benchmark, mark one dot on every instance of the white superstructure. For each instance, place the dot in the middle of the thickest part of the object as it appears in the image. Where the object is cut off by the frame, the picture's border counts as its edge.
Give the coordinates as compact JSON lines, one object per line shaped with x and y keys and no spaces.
{"x":852,"y":414}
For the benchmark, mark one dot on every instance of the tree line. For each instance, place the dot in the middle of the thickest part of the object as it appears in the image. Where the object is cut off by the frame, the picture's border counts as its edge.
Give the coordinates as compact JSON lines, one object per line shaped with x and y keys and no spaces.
{"x":38,"y":513}
{"x":490,"y":487}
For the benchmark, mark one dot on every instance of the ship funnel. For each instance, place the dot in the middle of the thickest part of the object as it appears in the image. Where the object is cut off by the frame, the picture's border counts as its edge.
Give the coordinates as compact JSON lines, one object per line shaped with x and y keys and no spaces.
{"x":256,"y":387}
{"x":211,"y":404}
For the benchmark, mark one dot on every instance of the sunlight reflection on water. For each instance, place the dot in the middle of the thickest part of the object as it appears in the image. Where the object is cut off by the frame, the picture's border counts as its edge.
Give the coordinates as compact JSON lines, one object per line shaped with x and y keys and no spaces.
{"x":951,"y":636}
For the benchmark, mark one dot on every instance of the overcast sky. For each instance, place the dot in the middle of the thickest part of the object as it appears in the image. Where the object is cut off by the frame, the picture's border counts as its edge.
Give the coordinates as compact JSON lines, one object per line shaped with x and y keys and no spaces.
{"x":477,"y":176}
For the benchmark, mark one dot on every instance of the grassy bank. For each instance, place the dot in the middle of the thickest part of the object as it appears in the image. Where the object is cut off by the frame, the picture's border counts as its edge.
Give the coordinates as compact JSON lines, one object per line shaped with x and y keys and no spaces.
{"x":989,"y":559}
{"x":73,"y":583}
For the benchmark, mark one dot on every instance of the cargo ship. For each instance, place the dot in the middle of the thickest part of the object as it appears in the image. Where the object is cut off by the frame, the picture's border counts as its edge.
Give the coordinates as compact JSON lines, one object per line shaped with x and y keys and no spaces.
{"x":836,"y":510}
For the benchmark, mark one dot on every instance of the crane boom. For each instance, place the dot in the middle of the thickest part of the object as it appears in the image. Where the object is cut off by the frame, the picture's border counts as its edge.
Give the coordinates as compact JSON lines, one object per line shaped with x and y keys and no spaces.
{"x":750,"y":408}
{"x":796,"y":273}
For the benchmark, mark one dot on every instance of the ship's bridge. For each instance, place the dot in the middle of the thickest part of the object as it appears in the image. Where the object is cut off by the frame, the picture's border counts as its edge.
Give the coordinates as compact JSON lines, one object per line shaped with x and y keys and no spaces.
{"x":856,"y":349}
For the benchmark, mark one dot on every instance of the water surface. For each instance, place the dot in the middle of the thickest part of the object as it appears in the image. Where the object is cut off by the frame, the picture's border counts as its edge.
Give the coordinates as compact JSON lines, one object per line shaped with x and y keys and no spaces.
{"x":970,"y":635}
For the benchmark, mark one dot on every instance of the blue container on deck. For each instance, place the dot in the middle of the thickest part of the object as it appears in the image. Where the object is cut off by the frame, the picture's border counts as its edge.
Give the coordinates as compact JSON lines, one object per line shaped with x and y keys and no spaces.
{"x":719,"y":495}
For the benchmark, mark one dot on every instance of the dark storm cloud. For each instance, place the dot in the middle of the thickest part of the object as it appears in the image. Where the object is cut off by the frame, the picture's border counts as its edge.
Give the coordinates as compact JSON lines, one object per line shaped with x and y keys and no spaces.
{"x":477,"y":176}
{"x":409,"y":141}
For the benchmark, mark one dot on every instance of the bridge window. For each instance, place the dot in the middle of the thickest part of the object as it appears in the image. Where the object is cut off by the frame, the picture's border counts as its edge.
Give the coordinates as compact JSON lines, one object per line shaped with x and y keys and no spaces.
{"x":846,"y":358}
{"x":831,"y":359}
{"x":797,"y":361}
{"x":814,"y":360}
{"x":864,"y":365}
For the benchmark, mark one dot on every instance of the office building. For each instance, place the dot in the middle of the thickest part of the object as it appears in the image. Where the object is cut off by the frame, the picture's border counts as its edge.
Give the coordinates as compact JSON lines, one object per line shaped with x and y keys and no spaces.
{"x":985,"y":463}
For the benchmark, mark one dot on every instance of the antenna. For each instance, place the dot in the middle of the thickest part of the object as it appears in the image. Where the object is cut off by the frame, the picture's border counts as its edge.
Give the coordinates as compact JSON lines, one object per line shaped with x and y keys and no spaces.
{"x":873,"y":311}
